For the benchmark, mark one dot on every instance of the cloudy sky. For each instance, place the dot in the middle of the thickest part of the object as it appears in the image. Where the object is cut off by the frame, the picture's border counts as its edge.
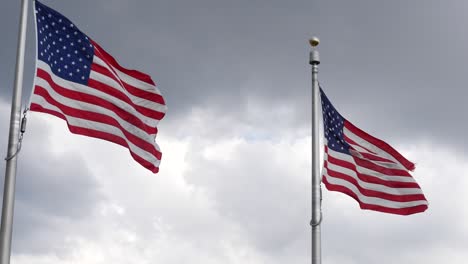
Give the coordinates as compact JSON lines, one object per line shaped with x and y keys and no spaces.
{"x":234,"y":182}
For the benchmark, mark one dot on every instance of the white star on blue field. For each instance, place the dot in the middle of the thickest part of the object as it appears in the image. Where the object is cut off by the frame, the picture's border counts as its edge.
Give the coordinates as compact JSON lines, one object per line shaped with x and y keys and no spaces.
{"x":63,"y":46}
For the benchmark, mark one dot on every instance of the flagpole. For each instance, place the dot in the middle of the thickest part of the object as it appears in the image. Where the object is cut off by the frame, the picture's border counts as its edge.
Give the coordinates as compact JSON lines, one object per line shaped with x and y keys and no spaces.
{"x":15,"y":120}
{"x":314,"y":60}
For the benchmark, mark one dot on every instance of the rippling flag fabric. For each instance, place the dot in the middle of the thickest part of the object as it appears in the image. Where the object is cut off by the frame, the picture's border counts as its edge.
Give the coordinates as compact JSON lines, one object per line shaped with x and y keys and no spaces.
{"x":366,"y":168}
{"x":79,"y":82}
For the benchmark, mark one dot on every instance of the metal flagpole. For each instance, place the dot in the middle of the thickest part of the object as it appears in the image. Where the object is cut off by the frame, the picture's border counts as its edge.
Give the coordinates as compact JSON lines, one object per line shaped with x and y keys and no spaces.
{"x":316,"y":178}
{"x":13,"y":138}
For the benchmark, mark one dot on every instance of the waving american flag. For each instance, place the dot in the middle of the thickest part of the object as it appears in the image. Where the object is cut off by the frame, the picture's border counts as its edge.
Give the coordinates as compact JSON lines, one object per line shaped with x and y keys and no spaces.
{"x":367,"y":168}
{"x":78,"y":81}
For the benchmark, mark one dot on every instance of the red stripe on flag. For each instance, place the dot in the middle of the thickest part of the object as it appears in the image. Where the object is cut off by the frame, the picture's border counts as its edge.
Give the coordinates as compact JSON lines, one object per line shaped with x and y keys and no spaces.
{"x":374,"y":193}
{"x":121,"y":96}
{"x":375,"y":167}
{"x":352,"y":142}
{"x":97,"y":117}
{"x":101,"y":53}
{"x":97,"y":134}
{"x":374,"y":157}
{"x":380,"y":144}
{"x":370,"y":178}
{"x":91,"y":99}
{"x":364,"y":206}
{"x":131,"y":89}
{"x":370,"y":155}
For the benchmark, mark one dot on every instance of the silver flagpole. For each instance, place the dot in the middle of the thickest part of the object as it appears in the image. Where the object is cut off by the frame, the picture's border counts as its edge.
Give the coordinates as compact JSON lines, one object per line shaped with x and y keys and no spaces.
{"x":316,"y":178}
{"x":15,"y":120}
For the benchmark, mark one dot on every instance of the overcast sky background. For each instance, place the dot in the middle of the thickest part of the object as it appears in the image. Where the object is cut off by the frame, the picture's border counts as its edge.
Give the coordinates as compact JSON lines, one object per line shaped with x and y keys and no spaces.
{"x":234,"y":182}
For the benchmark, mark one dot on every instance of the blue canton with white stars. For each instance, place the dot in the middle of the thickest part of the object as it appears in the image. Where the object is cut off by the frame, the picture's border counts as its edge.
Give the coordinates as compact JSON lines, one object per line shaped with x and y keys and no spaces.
{"x":61,"y":45}
{"x":333,"y":124}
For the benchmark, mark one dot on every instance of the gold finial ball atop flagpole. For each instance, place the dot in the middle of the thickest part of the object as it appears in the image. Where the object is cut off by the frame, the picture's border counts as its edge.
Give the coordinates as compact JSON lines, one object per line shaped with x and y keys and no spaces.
{"x":314,"y":42}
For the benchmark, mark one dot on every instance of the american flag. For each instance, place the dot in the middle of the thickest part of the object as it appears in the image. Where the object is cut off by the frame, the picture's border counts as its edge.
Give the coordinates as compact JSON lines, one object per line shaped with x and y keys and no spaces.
{"x":78,"y":81}
{"x":367,"y":168}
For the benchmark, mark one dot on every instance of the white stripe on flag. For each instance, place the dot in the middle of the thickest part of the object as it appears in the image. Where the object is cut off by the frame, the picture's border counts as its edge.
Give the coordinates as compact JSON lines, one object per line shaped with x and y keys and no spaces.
{"x":132,"y":129}
{"x":379,"y":152}
{"x":86,"y":90}
{"x":372,"y":186}
{"x":98,"y":126}
{"x":126,"y":78}
{"x":366,"y":171}
{"x":371,"y":200}
{"x":135,"y":99}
